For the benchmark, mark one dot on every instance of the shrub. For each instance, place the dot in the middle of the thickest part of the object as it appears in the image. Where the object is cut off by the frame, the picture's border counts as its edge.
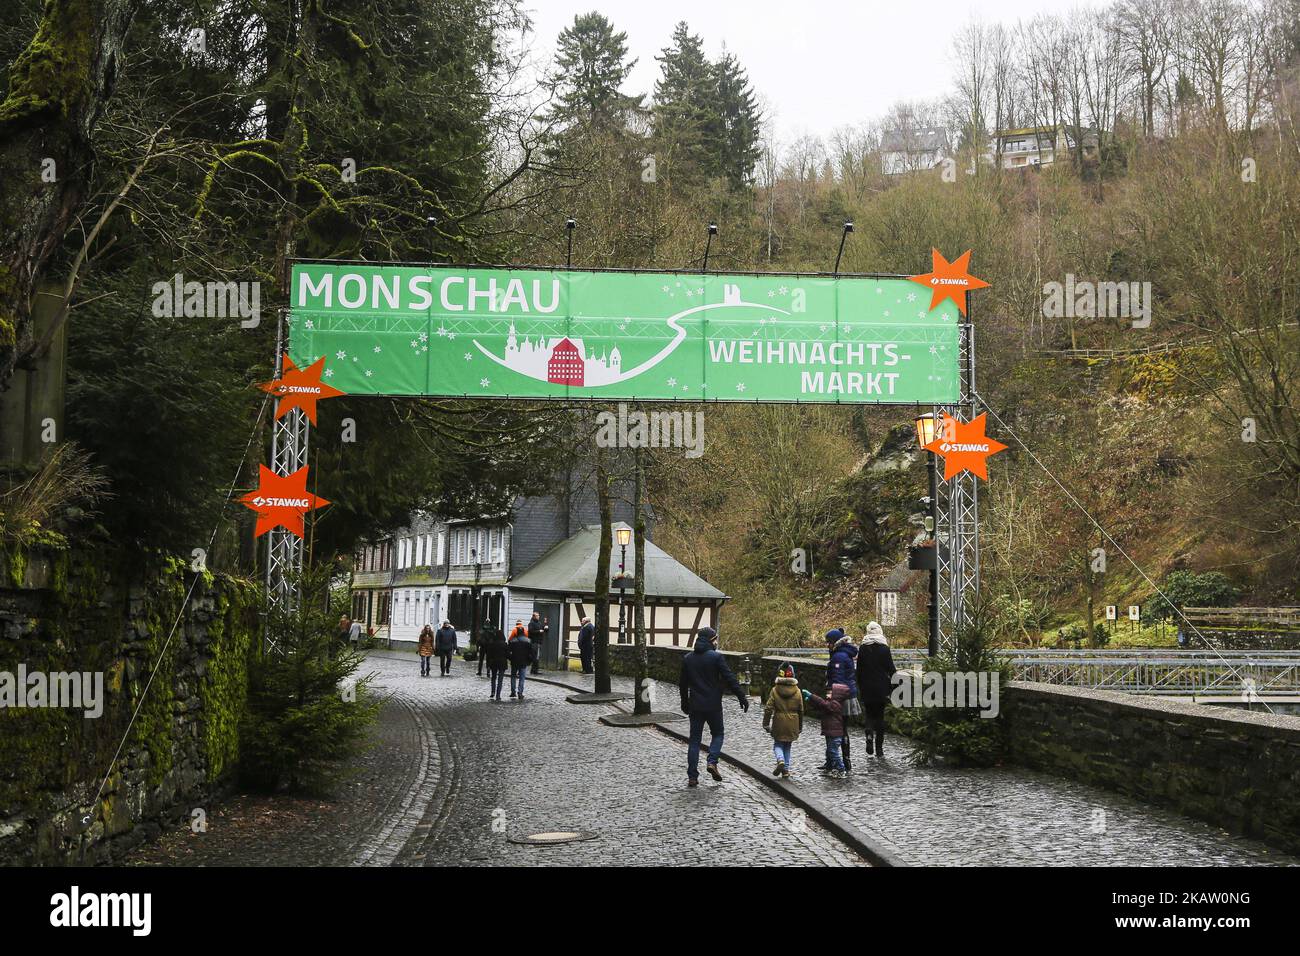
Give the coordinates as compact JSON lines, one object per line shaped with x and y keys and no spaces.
{"x":959,"y":734}
{"x":1183,"y":588}
{"x":306,"y":715}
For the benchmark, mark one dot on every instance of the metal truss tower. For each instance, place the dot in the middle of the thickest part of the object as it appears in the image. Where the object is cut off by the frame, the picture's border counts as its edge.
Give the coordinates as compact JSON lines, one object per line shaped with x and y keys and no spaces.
{"x":957,"y":530}
{"x":284,"y":549}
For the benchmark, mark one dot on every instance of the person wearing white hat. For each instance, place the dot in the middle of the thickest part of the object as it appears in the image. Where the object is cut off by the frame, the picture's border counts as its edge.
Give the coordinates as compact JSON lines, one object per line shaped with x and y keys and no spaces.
{"x":875,"y":682}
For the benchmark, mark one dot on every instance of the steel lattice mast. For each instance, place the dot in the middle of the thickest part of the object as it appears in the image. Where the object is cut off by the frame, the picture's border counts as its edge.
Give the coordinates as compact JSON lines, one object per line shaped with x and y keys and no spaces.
{"x":957,"y":528}
{"x":284,"y":549}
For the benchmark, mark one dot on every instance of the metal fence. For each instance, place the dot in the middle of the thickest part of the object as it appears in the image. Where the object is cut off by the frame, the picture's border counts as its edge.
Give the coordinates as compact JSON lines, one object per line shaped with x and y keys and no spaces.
{"x":1244,"y":674}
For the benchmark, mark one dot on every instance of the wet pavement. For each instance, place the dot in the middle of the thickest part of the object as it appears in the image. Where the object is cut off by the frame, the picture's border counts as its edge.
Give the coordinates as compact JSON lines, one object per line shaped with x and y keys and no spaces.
{"x":1003,"y":816}
{"x":451,"y":777}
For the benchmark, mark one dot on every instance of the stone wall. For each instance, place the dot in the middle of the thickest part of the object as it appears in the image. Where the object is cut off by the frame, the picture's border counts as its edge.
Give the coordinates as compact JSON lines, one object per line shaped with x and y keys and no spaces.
{"x":1237,"y":770}
{"x":63,"y":612}
{"x":666,"y":663}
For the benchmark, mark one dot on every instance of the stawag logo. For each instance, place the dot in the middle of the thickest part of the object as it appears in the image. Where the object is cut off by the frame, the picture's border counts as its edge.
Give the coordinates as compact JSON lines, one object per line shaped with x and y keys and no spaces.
{"x":75,"y":909}
{"x":1098,"y":300}
{"x":37,"y":689}
{"x":175,"y":298}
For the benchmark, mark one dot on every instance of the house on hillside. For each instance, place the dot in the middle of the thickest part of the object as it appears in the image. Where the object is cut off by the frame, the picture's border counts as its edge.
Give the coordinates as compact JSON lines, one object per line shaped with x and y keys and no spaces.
{"x":913,"y":150}
{"x":902,"y":597}
{"x":1038,"y":146}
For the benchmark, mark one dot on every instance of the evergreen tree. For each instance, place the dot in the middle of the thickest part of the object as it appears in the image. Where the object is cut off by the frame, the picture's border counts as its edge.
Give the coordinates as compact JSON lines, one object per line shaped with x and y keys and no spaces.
{"x":685,"y":105}
{"x":591,"y":66}
{"x":738,"y":123}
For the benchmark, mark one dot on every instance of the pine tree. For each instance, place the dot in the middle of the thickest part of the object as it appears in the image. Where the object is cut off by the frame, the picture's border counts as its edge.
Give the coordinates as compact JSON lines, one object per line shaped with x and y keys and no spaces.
{"x":685,"y":106}
{"x":591,"y":66}
{"x":738,"y":123}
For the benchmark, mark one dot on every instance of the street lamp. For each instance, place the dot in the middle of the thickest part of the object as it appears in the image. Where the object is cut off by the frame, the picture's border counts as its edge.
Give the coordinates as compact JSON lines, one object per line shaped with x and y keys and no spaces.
{"x":624,"y":536}
{"x":475,"y":632}
{"x":926,"y":429}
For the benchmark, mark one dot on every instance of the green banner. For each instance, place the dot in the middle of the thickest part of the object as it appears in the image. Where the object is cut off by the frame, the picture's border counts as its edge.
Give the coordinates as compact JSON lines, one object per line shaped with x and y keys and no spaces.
{"x":402,"y":330}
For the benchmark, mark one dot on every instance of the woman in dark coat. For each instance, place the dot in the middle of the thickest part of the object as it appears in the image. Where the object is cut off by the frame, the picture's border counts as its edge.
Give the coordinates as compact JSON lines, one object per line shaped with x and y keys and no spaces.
{"x":875,"y":682}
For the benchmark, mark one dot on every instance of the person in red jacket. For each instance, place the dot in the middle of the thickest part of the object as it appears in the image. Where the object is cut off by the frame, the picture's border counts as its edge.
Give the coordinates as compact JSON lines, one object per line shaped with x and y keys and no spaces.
{"x":522,"y":655}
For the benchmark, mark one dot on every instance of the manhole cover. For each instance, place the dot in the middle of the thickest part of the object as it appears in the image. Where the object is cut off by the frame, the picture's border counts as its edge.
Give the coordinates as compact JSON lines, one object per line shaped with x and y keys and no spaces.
{"x":554,"y":837}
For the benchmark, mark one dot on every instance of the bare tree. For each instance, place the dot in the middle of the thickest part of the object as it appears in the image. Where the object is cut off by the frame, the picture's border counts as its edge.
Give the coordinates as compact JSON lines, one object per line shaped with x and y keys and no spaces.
{"x":1144,"y":29}
{"x":971,"y":48}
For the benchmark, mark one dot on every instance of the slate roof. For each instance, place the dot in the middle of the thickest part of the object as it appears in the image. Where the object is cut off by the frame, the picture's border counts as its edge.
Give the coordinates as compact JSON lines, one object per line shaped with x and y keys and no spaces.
{"x":570,"y":567}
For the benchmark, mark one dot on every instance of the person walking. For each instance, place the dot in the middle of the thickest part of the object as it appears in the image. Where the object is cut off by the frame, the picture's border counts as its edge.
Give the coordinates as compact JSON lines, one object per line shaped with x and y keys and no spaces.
{"x":445,"y":645}
{"x":842,"y":669}
{"x":875,"y":683}
{"x":537,"y":631}
{"x":354,"y":635}
{"x":486,"y":631}
{"x":586,"y":644}
{"x":522,"y":654}
{"x":497,"y":653}
{"x":831,"y":709}
{"x":341,"y":634}
{"x":703,"y":676}
{"x":783,"y":719}
{"x":425,"y":650}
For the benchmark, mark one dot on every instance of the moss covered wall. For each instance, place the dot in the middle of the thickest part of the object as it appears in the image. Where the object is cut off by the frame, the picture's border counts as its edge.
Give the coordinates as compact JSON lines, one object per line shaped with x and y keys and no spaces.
{"x":64,"y":610}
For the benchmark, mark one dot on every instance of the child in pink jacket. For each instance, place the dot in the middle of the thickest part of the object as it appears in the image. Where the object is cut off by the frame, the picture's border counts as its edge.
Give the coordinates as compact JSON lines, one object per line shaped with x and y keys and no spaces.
{"x":832,"y":714}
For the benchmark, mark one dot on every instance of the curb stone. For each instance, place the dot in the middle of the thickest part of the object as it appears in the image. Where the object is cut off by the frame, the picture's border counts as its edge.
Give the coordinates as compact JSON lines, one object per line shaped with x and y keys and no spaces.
{"x":842,"y":829}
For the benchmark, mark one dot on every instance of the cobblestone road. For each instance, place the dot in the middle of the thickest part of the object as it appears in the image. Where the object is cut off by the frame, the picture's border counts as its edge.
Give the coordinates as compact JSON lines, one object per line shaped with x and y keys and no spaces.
{"x":1006,"y":816}
{"x":451,"y":777}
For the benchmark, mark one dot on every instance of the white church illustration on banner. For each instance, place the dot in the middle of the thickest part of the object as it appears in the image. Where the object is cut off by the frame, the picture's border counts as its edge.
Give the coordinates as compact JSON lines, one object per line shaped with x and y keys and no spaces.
{"x":561,"y":361}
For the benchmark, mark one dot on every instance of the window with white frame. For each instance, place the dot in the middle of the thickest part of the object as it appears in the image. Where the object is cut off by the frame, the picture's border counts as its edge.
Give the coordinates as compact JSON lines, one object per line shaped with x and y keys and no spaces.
{"x":419,"y":550}
{"x":442,"y":545}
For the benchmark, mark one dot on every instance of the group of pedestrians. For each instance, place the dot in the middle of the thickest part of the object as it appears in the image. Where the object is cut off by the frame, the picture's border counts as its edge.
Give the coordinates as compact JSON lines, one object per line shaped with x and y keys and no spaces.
{"x":859,"y":678}
{"x":521,"y":651}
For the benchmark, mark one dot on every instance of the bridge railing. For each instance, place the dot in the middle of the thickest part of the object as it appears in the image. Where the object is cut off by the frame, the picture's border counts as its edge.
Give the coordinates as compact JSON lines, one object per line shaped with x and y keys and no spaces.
{"x":1145,"y":671}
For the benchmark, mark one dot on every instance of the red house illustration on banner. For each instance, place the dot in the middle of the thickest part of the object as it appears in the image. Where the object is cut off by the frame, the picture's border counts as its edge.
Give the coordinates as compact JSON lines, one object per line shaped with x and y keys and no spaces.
{"x":565,"y":366}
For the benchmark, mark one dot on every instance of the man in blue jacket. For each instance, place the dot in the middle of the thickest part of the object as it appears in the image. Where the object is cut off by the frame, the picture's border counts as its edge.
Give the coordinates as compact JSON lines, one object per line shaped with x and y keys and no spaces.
{"x":704,"y":675}
{"x":444,"y":644}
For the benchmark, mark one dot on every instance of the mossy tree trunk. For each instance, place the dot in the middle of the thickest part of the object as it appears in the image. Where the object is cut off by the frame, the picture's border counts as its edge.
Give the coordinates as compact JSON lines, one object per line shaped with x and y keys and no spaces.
{"x":57,"y":90}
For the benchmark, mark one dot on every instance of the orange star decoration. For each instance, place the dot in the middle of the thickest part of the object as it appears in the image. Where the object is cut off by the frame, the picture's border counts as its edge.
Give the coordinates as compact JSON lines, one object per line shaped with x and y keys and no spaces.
{"x":281,"y":501}
{"x":300,"y":388}
{"x":950,"y":280}
{"x":964,"y":447}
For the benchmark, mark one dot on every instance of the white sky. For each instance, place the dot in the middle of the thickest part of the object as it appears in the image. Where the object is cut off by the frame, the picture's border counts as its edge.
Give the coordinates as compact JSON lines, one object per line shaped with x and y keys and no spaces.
{"x":816,"y":64}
